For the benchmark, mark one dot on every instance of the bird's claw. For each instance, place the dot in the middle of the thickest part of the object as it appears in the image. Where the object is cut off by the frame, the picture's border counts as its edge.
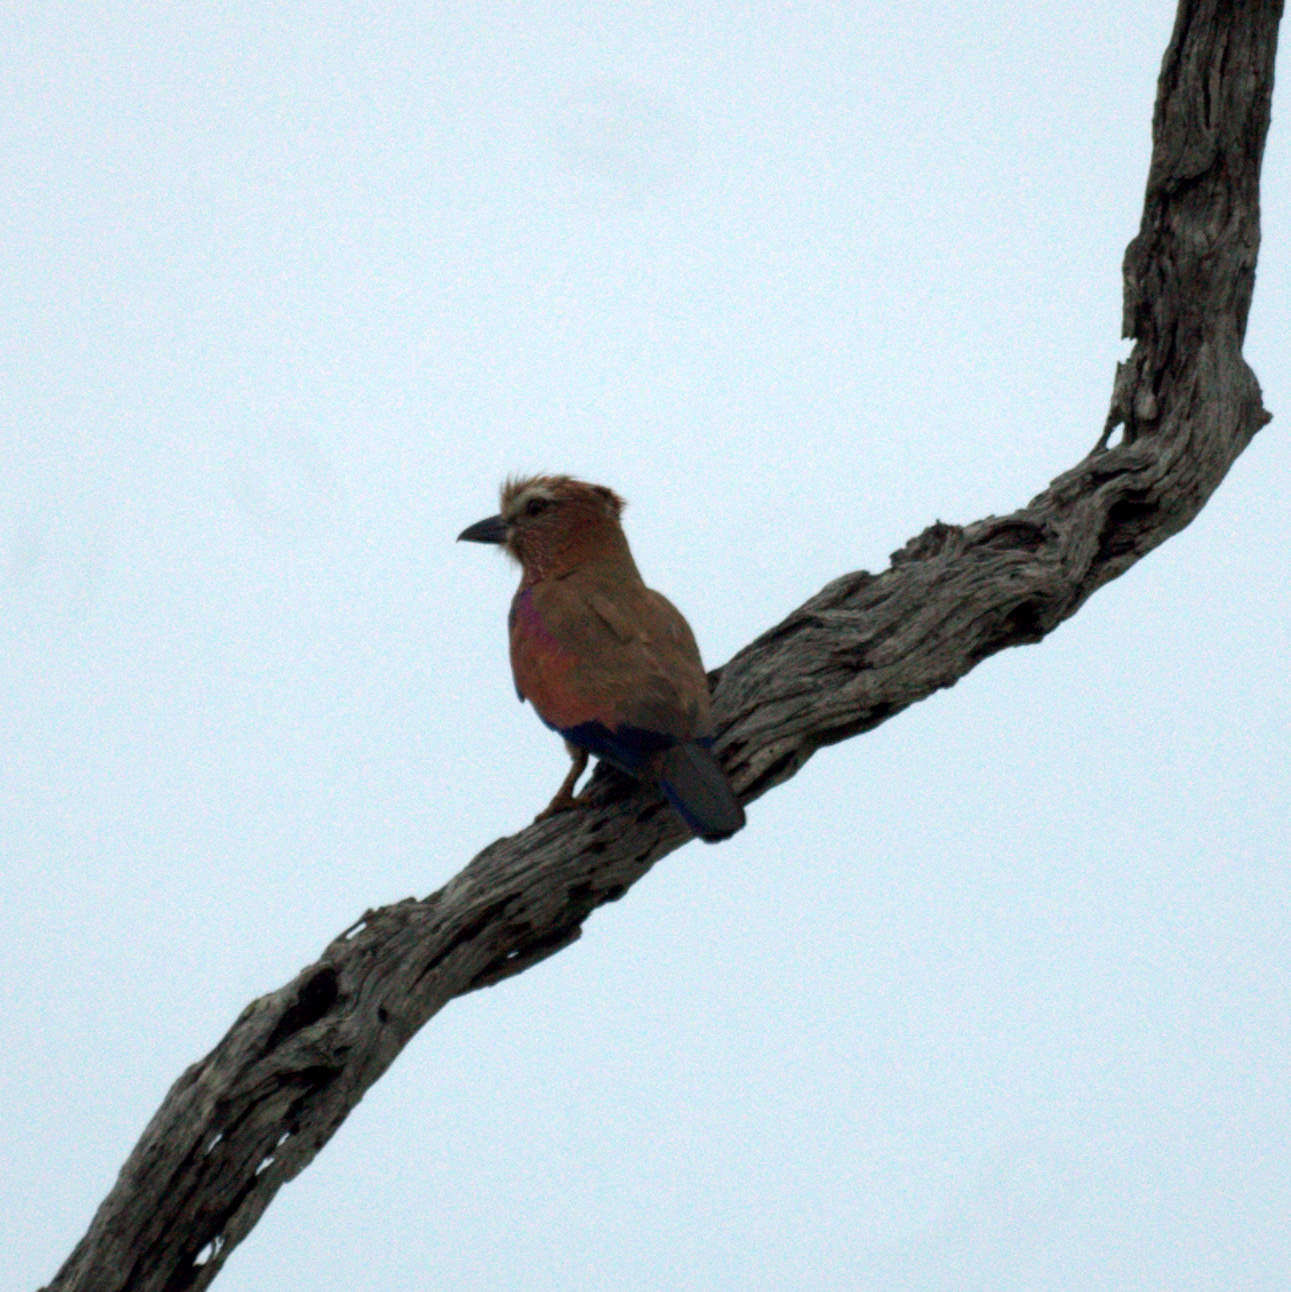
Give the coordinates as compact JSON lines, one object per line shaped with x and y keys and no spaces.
{"x":563,"y":802}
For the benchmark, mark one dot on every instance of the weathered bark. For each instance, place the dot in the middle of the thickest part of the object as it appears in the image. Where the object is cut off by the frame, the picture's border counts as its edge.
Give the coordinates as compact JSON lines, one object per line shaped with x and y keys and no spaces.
{"x":256,"y":1110}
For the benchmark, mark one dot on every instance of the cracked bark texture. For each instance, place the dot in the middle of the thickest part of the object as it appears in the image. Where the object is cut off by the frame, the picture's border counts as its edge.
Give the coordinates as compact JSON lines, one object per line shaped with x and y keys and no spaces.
{"x":253,"y":1113}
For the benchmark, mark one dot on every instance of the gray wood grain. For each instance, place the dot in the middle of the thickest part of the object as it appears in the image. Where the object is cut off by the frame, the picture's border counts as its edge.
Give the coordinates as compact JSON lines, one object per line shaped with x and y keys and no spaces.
{"x":255,"y":1111}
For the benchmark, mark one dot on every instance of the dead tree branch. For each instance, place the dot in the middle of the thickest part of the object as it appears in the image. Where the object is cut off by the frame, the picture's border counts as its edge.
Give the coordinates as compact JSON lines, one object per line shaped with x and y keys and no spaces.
{"x":255,"y":1111}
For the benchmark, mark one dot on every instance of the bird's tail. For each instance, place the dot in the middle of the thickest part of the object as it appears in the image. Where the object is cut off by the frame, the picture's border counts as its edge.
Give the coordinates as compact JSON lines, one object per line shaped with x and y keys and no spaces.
{"x":692,"y":780}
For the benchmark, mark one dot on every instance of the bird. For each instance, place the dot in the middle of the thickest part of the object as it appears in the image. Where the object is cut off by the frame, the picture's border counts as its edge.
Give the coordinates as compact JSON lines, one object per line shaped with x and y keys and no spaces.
{"x":606,"y":662}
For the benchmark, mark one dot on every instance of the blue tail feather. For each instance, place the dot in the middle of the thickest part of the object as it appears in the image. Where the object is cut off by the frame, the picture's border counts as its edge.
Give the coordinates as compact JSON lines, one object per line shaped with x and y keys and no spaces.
{"x":692,"y":780}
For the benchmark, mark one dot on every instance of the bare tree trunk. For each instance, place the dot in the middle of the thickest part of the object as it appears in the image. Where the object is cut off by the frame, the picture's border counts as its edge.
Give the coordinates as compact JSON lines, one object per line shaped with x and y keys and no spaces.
{"x":255,"y":1111}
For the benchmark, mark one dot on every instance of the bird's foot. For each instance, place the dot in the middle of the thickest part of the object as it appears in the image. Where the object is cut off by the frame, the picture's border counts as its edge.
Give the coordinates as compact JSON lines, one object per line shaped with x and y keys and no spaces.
{"x":565,"y":796}
{"x":563,"y":802}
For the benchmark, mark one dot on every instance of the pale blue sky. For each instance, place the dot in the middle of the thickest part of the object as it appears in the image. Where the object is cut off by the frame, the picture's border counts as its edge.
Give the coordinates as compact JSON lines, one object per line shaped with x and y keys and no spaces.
{"x":996,"y":996}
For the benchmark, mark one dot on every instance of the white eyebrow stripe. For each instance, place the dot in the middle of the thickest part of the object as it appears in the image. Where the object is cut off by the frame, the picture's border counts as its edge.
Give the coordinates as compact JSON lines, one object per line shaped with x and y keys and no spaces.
{"x":527,"y":495}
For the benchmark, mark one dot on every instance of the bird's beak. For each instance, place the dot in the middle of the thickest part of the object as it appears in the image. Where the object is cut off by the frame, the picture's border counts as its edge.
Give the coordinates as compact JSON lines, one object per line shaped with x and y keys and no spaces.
{"x":491,"y":530}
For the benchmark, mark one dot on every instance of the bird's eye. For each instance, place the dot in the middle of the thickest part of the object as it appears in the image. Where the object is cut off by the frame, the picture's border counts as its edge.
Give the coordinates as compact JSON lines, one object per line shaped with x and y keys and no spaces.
{"x":536,"y":506}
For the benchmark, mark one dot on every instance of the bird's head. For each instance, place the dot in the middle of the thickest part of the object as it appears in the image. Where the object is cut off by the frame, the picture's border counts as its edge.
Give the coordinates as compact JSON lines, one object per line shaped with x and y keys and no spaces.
{"x":552,"y":524}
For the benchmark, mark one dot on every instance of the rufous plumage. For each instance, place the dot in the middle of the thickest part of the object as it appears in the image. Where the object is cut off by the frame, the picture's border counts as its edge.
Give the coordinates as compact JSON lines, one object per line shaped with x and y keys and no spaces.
{"x":607,"y":662}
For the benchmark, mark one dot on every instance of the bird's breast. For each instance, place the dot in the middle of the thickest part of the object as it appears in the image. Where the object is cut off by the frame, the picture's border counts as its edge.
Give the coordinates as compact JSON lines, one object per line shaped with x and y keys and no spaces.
{"x":545,"y":666}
